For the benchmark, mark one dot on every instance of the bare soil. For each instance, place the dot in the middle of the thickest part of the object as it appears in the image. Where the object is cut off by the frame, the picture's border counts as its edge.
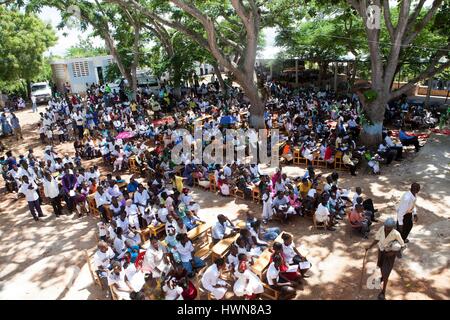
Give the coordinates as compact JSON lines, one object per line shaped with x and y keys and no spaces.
{"x":45,"y":260}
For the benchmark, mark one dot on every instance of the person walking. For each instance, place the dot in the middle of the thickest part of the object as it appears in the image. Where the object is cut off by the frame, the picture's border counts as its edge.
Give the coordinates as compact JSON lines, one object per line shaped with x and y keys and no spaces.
{"x":406,"y":211}
{"x":34,"y":107}
{"x":15,"y":124}
{"x":390,"y":244}
{"x":29,"y":190}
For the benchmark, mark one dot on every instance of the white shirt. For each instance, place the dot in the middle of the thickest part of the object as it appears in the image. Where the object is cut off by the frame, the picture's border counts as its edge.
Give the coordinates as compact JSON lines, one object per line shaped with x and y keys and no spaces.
{"x":100,"y":200}
{"x":30,"y":195}
{"x":391,"y":143}
{"x":210,"y":277}
{"x":322,"y":213}
{"x":272,"y":274}
{"x":384,"y":241}
{"x":185,"y":251}
{"x":141,"y":198}
{"x":51,"y":189}
{"x":218,"y":230}
{"x":289,"y":253}
{"x":132,"y":210}
{"x":407,"y":205}
{"x":103,"y":259}
{"x":162,"y":214}
{"x":173,"y":294}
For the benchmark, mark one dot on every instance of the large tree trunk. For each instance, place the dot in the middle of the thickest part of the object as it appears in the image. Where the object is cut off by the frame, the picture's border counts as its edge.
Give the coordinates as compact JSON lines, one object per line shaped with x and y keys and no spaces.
{"x":219,"y":77}
{"x":176,"y":82}
{"x":256,"y":103}
{"x":371,"y":135}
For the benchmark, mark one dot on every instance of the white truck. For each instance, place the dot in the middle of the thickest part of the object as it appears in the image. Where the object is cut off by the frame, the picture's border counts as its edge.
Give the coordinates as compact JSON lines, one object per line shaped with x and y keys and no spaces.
{"x":41,"y":91}
{"x":144,"y":79}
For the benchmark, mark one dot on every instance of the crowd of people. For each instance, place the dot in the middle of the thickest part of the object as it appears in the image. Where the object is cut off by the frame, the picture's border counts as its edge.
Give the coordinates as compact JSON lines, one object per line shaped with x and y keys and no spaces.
{"x":140,"y":132}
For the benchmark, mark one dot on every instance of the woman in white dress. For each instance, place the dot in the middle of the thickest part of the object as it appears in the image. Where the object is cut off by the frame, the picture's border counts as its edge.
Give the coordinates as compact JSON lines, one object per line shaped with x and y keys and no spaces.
{"x":156,"y":259}
{"x":247,"y":283}
{"x":267,"y":206}
{"x":211,"y":280}
{"x":172,"y":290}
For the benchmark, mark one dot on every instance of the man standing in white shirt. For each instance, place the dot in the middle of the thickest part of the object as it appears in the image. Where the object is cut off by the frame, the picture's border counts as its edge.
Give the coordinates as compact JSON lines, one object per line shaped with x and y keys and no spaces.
{"x":29,"y":189}
{"x":51,"y":191}
{"x":406,"y":211}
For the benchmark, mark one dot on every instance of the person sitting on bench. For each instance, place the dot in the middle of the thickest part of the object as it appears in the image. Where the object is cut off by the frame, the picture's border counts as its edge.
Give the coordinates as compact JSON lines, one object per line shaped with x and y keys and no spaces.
{"x":277,"y":281}
{"x":212,"y":282}
{"x":408,"y":140}
{"x":293,"y":256}
{"x":223,"y":228}
{"x":359,"y":220}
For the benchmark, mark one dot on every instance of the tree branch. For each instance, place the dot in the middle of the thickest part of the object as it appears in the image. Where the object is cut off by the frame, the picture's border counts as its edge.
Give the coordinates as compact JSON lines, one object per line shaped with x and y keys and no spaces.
{"x":429,"y":72}
{"x":417,"y":28}
{"x":387,"y":18}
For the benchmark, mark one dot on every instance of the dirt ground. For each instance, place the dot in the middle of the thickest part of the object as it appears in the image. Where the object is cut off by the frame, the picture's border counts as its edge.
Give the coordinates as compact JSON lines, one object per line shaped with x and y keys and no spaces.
{"x":45,"y":260}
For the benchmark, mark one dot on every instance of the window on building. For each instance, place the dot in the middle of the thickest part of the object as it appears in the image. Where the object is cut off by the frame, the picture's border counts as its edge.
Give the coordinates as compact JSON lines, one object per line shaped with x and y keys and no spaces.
{"x":80,"y":69}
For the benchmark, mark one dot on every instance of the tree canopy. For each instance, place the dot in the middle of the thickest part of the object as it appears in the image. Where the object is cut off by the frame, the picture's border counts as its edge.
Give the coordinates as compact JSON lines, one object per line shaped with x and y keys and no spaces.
{"x":23,"y":40}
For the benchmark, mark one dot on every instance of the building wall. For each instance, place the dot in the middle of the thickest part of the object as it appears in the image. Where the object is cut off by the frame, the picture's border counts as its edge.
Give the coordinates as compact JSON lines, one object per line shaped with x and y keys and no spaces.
{"x":79,"y":71}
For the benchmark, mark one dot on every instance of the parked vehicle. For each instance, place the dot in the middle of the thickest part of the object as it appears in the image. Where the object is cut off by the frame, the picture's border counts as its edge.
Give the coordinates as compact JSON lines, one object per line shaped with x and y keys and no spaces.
{"x":144,"y":80}
{"x":42,"y":91}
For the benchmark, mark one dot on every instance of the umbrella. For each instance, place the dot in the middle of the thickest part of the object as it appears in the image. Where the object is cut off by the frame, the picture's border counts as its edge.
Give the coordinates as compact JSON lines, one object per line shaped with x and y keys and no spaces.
{"x":125,"y":135}
{"x":227,"y":120}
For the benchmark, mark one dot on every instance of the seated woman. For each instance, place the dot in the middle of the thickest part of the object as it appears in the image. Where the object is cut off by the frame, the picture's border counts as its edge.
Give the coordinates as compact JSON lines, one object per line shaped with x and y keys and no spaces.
{"x":156,"y":259}
{"x":188,"y":259}
{"x":350,"y":162}
{"x":278,"y":281}
{"x":118,"y":282}
{"x":289,"y":272}
{"x":303,"y":187}
{"x":247,"y":283}
{"x":294,"y":201}
{"x":180,"y":275}
{"x":359,"y":220}
{"x":263,"y":234}
{"x":224,"y":186}
{"x":282,"y":207}
{"x":232,"y":258}
{"x":212,"y":282}
{"x":293,"y":256}
{"x":171,"y":289}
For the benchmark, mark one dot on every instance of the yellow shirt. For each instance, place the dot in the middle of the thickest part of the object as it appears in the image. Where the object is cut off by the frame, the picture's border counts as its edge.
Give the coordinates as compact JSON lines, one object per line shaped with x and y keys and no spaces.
{"x":384,"y":241}
{"x":179,"y":183}
{"x":304,"y":187}
{"x":347,"y":160}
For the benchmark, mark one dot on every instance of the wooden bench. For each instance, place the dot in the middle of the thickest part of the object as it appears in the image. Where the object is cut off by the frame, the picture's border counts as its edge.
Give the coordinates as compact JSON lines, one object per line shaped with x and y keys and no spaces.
{"x":92,"y":205}
{"x":256,"y":197}
{"x":269,"y":292}
{"x":94,"y":275}
{"x":155,"y":231}
{"x":235,"y":192}
{"x":202,"y":233}
{"x":262,"y":262}
{"x":133,"y":166}
{"x":298,"y":159}
{"x":338,"y":162}
{"x":317,"y":162}
{"x":212,"y":183}
{"x":220,"y":249}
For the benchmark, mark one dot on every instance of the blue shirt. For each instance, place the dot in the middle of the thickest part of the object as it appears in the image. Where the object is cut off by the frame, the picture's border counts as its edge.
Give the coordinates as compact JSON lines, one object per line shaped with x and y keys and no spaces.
{"x":403,"y":136}
{"x":132,"y":186}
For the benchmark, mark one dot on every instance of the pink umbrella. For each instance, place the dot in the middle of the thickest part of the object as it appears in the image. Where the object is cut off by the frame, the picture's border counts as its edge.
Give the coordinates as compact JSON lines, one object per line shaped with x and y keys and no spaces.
{"x":125,"y":135}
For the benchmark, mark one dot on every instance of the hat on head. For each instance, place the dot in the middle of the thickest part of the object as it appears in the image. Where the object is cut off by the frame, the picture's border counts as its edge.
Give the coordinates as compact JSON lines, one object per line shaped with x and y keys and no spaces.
{"x":390,"y":223}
